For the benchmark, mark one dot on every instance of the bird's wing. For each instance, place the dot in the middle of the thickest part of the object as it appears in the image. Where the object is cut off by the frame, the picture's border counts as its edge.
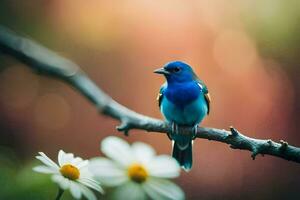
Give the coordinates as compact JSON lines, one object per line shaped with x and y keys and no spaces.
{"x":161,"y":94}
{"x":206,"y":94}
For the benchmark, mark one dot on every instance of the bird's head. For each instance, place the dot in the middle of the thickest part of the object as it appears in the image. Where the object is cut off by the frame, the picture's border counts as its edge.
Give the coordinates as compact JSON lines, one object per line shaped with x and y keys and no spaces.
{"x":177,"y":72}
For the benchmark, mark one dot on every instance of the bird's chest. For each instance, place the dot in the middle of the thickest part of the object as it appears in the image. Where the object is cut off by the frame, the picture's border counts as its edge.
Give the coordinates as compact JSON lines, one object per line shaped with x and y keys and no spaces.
{"x":184,"y":106}
{"x":191,"y":114}
{"x":182,"y":95}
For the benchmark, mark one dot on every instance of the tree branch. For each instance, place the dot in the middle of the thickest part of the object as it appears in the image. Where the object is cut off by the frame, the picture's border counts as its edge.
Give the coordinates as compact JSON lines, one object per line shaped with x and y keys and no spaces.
{"x":49,"y":63}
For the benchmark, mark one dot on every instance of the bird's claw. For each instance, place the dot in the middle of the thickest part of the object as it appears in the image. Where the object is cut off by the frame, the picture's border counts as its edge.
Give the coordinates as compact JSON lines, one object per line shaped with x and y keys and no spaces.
{"x":195,"y":129}
{"x":174,"y":131}
{"x":174,"y":128}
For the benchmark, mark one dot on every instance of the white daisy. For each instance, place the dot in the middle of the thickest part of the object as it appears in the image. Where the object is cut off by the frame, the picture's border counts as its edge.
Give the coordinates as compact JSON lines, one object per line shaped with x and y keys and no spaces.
{"x":71,"y":173}
{"x":136,"y":172}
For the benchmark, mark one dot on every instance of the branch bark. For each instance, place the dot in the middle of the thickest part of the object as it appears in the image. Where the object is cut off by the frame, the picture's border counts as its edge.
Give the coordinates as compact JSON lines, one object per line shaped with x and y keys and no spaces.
{"x":47,"y":62}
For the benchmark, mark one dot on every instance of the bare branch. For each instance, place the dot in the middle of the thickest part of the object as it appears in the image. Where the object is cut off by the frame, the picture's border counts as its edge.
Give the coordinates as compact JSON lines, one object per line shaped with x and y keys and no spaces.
{"x":49,"y":63}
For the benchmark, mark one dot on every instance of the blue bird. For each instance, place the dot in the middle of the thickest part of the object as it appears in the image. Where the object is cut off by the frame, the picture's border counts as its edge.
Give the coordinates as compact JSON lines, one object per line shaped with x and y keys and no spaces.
{"x":184,"y":101}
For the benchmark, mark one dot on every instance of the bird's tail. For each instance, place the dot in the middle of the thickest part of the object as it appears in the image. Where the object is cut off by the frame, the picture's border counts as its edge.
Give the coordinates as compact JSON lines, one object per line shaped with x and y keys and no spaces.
{"x":184,"y":156}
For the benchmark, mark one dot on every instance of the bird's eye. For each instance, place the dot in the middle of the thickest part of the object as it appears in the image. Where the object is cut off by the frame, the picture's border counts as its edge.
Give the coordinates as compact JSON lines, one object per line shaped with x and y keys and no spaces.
{"x":176,"y":69}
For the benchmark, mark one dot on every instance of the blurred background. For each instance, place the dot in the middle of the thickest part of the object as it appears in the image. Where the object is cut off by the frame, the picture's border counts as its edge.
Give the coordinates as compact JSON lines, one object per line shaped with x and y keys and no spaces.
{"x":247,"y":52}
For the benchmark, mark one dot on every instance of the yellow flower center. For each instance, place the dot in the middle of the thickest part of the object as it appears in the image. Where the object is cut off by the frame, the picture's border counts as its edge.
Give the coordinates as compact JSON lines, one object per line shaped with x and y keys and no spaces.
{"x":137,"y":173}
{"x":69,"y":171}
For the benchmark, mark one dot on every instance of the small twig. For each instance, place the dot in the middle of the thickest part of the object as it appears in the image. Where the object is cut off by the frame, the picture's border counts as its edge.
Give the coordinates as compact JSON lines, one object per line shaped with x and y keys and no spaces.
{"x":233,"y":131}
{"x":47,"y":62}
{"x":284,"y":145}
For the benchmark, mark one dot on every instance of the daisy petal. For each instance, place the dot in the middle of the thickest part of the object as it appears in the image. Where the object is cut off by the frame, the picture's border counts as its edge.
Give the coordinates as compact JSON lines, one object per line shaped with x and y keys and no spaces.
{"x":164,"y":166}
{"x":76,"y":161}
{"x":64,"y":158}
{"x":85,"y":172}
{"x":130,"y":190}
{"x":46,"y":160}
{"x":118,"y":150}
{"x":143,"y":152}
{"x":61,"y":155}
{"x":107,"y":172}
{"x":91,"y":183}
{"x":82,"y":164}
{"x":163,"y":190}
{"x":75,"y":190}
{"x":87,"y":193}
{"x":45,"y":169}
{"x":61,"y":181}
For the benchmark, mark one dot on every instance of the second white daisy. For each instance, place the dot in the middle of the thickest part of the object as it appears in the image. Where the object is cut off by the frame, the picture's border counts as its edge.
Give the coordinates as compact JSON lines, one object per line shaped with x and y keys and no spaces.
{"x":135,"y":171}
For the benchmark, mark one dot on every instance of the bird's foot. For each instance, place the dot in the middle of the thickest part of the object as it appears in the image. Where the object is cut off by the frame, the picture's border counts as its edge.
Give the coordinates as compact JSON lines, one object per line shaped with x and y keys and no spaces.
{"x":174,"y":131}
{"x":195,"y":129}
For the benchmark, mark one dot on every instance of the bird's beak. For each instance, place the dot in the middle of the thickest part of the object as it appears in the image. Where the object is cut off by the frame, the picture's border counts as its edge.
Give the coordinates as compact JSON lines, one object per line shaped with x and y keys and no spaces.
{"x":161,"y":71}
